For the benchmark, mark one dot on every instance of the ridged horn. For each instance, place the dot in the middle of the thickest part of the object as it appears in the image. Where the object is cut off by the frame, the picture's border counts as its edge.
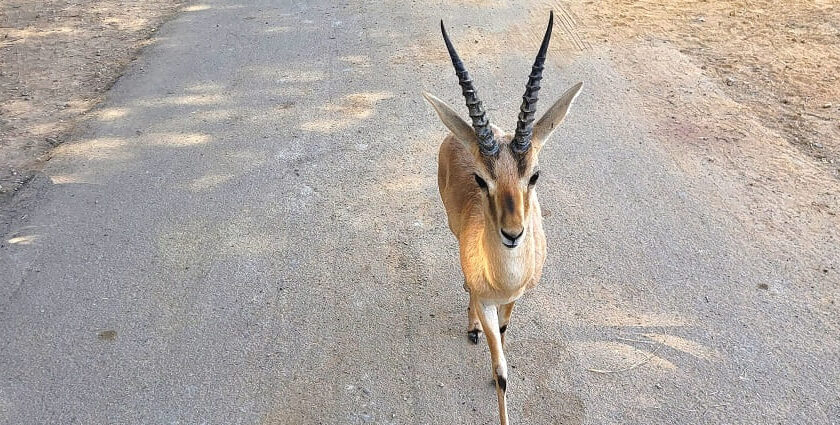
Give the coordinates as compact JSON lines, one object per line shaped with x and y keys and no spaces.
{"x":487,"y":144}
{"x":525,"y":125}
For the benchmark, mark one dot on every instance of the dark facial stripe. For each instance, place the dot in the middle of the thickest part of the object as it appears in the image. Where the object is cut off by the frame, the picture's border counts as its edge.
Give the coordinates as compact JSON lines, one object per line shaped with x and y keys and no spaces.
{"x":508,"y":201}
{"x":492,"y":206}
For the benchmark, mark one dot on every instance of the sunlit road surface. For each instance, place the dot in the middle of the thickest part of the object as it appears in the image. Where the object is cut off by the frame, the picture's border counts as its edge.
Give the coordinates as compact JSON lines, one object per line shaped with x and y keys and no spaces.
{"x":248,"y":231}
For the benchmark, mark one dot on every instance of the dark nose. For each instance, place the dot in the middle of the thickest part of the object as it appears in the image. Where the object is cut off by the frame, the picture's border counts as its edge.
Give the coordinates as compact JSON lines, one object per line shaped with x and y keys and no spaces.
{"x":511,"y":236}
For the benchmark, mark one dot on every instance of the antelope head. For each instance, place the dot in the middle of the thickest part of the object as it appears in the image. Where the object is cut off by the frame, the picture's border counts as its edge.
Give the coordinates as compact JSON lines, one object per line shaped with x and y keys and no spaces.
{"x":506,"y":166}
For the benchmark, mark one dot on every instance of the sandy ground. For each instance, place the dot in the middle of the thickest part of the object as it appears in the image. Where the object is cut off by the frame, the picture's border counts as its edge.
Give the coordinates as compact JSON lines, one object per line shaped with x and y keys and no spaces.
{"x":777,"y":59}
{"x":57,"y":58}
{"x":747,"y":100}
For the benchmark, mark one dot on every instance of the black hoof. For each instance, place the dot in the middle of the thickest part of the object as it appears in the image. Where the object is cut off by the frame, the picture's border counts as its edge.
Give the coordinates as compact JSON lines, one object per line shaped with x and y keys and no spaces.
{"x":473,"y":336}
{"x":502,"y":383}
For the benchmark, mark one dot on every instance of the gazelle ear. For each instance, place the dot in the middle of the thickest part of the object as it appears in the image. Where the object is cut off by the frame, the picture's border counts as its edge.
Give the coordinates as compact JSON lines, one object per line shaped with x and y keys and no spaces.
{"x":452,"y":120}
{"x":555,"y":115}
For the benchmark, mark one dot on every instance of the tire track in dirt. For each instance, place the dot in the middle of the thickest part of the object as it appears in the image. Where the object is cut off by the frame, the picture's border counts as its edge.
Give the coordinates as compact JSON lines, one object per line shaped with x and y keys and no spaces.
{"x":528,"y":35}
{"x":570,"y":26}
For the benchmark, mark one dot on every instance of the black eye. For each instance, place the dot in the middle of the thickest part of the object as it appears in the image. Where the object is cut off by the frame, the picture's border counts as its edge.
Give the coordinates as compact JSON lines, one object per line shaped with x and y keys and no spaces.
{"x":533,"y":179}
{"x":481,"y":183}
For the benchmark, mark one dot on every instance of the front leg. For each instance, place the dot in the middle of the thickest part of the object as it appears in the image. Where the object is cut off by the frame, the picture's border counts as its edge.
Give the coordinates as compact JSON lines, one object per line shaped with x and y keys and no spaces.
{"x":490,"y":322}
{"x":473,"y":324}
{"x":505,"y":311}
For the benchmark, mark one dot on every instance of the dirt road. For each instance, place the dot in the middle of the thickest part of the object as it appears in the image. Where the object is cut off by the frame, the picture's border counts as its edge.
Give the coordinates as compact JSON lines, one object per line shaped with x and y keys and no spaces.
{"x":249,"y":231}
{"x":57,"y":59}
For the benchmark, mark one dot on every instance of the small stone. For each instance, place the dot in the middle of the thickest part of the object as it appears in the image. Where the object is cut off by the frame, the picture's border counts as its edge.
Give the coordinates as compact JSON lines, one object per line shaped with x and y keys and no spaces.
{"x":107,"y":335}
{"x":729,"y":81}
{"x":826,"y":106}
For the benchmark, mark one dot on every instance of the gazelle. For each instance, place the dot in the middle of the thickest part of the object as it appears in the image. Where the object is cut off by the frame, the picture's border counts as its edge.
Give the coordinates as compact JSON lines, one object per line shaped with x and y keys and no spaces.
{"x":487,"y":182}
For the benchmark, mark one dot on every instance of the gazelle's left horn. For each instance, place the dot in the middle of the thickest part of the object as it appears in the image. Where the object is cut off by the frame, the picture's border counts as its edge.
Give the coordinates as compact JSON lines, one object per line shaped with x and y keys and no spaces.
{"x":525,"y":125}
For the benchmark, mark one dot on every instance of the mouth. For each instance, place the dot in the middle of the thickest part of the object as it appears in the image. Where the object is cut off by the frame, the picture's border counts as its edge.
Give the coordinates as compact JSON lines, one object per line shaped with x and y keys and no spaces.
{"x":510,"y":244}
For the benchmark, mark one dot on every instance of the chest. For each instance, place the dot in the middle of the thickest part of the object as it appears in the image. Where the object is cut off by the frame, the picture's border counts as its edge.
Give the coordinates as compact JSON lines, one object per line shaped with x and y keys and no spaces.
{"x":500,"y":279}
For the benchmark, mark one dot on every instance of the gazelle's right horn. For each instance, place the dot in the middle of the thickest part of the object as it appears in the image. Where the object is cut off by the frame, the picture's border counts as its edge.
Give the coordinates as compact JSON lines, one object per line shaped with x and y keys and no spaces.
{"x":487,"y":144}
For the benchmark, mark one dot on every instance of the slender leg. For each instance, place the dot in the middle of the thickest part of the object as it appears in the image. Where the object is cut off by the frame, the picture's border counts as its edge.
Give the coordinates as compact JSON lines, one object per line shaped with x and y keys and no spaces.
{"x":474,"y":327}
{"x":490,"y":322}
{"x":505,"y":311}
{"x":473,"y":324}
